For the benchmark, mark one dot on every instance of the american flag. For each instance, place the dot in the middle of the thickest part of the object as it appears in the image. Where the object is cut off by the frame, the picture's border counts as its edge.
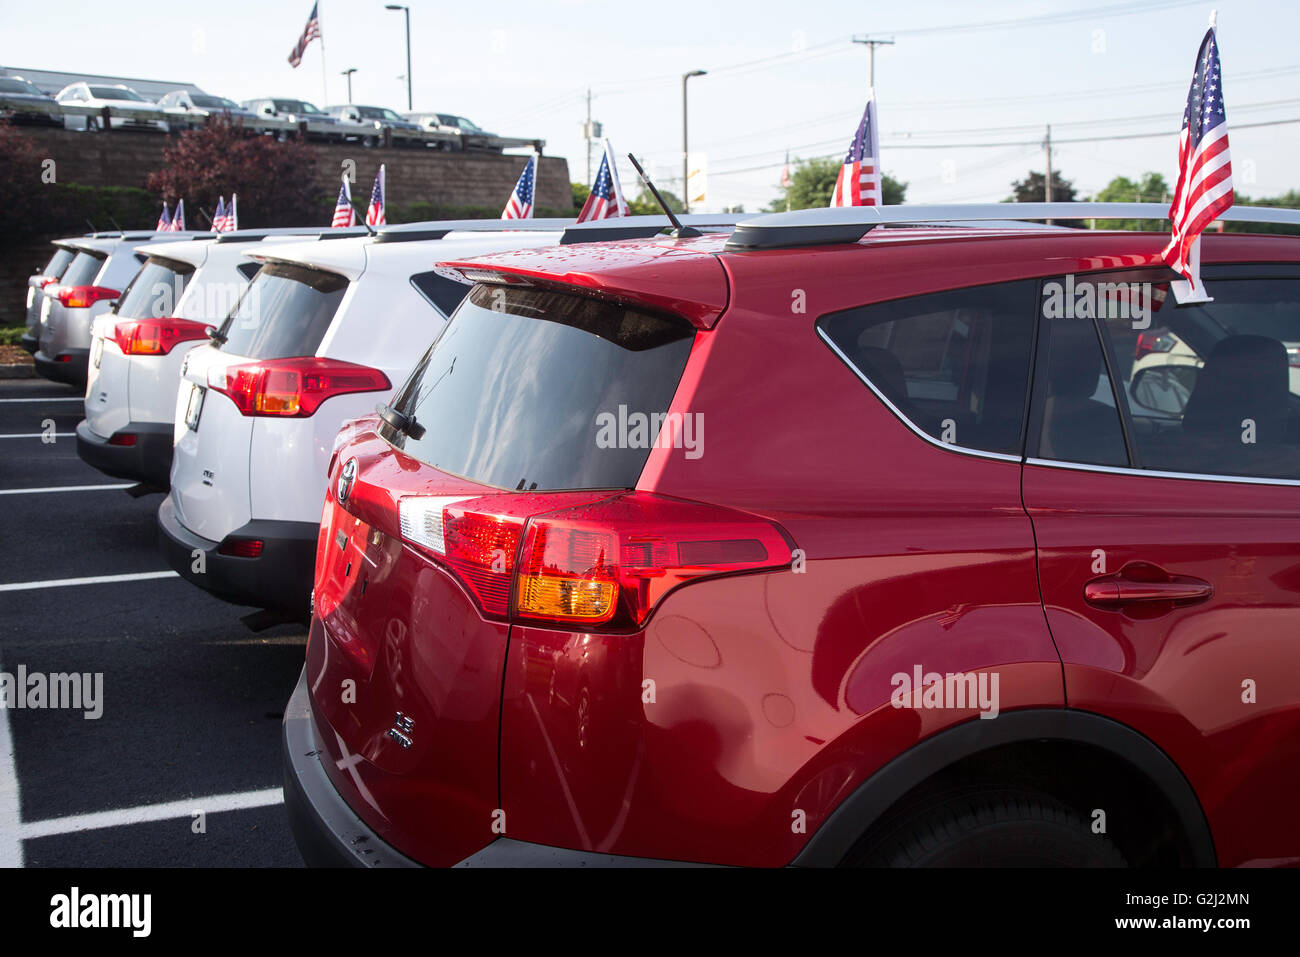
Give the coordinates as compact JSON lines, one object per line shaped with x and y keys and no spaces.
{"x":344,"y":214}
{"x":164,"y":221}
{"x":606,"y":198}
{"x":219,"y":217}
{"x":178,"y":221}
{"x":227,"y":218}
{"x":309,"y":33}
{"x":859,"y":181}
{"x":1204,"y":188}
{"x":375,"y":211}
{"x":520,"y":204}
{"x":785,"y":173}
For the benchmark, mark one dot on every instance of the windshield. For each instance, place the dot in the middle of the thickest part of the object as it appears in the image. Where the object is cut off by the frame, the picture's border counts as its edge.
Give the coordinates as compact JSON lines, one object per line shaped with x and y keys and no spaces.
{"x":212,"y":102}
{"x":155,"y":290}
{"x":10,"y":84}
{"x":295,"y":106}
{"x":520,"y":389}
{"x":116,"y":93}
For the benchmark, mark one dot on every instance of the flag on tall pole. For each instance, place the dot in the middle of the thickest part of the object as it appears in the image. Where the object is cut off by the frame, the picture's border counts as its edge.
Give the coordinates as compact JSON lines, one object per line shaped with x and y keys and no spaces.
{"x":344,"y":214}
{"x":164,"y":220}
{"x":375,"y":215}
{"x":520,"y":204}
{"x":1204,"y":188}
{"x":605,"y":200}
{"x":859,"y":181}
{"x":178,"y":221}
{"x":309,"y":33}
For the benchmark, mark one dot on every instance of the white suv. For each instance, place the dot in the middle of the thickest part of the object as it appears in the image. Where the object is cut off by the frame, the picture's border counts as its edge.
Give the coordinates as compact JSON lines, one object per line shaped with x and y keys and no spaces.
{"x":136,"y":351}
{"x":325,"y":332}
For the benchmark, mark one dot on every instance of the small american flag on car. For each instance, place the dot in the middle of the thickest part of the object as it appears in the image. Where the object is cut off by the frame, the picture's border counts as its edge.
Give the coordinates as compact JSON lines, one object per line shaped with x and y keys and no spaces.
{"x":219,"y":218}
{"x":520,"y":204}
{"x":344,"y":214}
{"x":309,"y":33}
{"x":859,"y":181}
{"x":606,"y":198}
{"x":178,"y":221}
{"x":164,"y":221}
{"x":1204,"y":188}
{"x":375,"y":215}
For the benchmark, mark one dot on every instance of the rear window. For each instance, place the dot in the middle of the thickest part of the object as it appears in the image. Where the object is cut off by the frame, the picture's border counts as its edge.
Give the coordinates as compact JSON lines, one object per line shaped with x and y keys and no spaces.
{"x":83,"y":269}
{"x":514,"y":392}
{"x":58,"y":262}
{"x":155,"y":290}
{"x":284,"y":312}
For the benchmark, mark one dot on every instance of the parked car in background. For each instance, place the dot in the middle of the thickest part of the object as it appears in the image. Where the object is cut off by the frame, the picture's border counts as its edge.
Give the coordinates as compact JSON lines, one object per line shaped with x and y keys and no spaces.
{"x":22,"y":104}
{"x":604,"y":601}
{"x":185,"y":109}
{"x":116,"y":97}
{"x":472,"y":136}
{"x":93,"y":279}
{"x":450,"y":136}
{"x":366,"y":124}
{"x":322,"y":334}
{"x":320,"y":125}
{"x":180,"y":294}
{"x":63,"y":254}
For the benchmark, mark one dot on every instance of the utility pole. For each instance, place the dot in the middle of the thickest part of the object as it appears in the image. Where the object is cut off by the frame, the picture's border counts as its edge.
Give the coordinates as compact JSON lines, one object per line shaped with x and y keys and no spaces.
{"x":1047,"y":182}
{"x":686,"y":162}
{"x":871,"y":54}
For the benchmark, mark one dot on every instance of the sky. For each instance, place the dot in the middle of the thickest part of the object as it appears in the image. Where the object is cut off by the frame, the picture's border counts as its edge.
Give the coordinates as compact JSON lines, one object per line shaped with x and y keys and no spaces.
{"x":965,"y":93}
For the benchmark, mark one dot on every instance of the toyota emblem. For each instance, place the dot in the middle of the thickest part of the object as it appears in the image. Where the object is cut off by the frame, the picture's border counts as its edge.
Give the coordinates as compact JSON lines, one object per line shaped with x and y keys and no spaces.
{"x":346,"y":477}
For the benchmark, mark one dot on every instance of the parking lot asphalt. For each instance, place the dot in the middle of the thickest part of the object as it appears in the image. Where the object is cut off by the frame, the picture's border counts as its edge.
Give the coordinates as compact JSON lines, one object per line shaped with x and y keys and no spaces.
{"x":183,"y":766}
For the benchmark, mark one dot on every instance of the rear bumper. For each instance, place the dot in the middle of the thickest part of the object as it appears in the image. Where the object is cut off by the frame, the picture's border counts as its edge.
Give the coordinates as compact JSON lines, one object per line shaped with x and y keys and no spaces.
{"x":70,"y":365}
{"x":330,"y":834}
{"x":279,"y":578}
{"x":30,"y":342}
{"x":149,"y":460}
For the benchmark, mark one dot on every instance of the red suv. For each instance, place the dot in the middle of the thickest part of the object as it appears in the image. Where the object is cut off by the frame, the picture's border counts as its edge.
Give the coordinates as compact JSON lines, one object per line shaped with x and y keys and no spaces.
{"x":827,"y":542}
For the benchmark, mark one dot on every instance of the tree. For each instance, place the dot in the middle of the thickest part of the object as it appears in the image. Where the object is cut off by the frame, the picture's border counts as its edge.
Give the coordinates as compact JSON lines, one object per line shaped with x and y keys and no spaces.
{"x":1288,"y":200}
{"x":275,"y":181}
{"x":580,"y":193}
{"x":1152,"y":188}
{"x":812,"y":184}
{"x":645,"y":204}
{"x":1033,"y":189}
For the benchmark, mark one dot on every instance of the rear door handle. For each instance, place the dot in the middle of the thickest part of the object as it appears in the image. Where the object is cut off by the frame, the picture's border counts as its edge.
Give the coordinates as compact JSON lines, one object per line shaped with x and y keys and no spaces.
{"x":1117,"y":590}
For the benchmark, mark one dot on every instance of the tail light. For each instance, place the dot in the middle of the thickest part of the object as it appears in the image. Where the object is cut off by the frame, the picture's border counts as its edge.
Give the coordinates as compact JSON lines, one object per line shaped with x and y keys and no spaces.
{"x":604,"y":563}
{"x":80,"y":297}
{"x":155,"y":337}
{"x":46,"y":280}
{"x":1156,"y":340}
{"x":241,"y":547}
{"x":123,"y":439}
{"x":293,"y":388}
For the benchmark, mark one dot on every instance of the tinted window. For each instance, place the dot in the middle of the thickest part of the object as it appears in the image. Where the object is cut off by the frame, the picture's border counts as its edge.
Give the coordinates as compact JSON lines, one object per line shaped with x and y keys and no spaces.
{"x":1214,"y":388}
{"x":58,"y":262}
{"x":446,"y":294}
{"x":211,"y":102}
{"x":248,"y":270}
{"x":114,"y":93}
{"x":11,"y":85}
{"x":955,"y":364}
{"x":155,"y":290}
{"x":516,"y":390}
{"x":284,"y":312}
{"x":83,"y":269}
{"x":1080,"y":420}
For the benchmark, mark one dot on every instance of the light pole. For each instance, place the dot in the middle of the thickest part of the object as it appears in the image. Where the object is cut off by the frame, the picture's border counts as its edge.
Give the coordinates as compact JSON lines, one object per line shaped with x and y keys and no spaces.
{"x":407,"y":11}
{"x":348,"y":73}
{"x":686,"y":162}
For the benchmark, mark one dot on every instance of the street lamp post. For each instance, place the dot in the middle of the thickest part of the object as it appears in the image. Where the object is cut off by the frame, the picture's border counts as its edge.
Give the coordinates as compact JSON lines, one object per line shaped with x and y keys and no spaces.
{"x":348,"y":73}
{"x":686,"y":162}
{"x":407,"y":11}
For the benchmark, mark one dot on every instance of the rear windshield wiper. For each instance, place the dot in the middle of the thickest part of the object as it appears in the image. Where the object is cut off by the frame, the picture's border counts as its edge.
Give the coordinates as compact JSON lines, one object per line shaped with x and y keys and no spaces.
{"x":216,"y":335}
{"x":400,"y":421}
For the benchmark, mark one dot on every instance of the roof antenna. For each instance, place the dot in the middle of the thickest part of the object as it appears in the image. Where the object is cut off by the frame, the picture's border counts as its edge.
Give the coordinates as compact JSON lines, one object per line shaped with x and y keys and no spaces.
{"x":205,"y":215}
{"x":116,"y":225}
{"x":360,"y":219}
{"x":92,"y":226}
{"x":679,"y":231}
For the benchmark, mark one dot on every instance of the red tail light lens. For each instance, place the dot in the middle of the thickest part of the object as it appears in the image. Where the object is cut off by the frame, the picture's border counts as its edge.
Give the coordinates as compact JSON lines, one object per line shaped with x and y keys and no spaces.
{"x":155,"y":337}
{"x":80,"y":297}
{"x":123,"y":439}
{"x":1156,"y":340}
{"x":293,"y":388}
{"x":241,"y":547}
{"x":604,"y":564}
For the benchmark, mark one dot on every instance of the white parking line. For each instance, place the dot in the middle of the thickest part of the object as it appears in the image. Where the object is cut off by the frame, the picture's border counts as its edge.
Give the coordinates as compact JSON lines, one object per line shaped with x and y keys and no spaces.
{"x":121,"y":817}
{"x":39,"y":435}
{"x":96,"y":580}
{"x":11,"y":842}
{"x":60,"y":398}
{"x":61,"y":488}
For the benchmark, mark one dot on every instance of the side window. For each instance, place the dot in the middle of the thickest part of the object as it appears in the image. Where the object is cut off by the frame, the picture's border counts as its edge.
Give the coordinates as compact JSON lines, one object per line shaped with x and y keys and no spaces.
{"x":444,"y":293}
{"x":1080,"y":421}
{"x":1214,"y":388}
{"x":954,"y":364}
{"x":248,"y":270}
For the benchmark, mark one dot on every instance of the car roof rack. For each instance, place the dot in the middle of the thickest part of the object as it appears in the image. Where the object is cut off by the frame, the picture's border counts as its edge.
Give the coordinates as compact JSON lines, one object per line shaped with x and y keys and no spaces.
{"x":848,"y":224}
{"x":640,"y":227}
{"x":325,"y":232}
{"x":438,"y":228}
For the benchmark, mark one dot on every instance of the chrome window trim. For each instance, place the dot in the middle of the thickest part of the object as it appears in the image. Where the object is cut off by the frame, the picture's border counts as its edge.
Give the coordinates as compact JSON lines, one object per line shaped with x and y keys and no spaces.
{"x":946,"y":446}
{"x":1153,"y":473}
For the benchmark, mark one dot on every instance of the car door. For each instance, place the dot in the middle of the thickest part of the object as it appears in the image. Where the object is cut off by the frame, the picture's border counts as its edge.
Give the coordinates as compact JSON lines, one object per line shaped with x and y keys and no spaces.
{"x":1168,"y":531}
